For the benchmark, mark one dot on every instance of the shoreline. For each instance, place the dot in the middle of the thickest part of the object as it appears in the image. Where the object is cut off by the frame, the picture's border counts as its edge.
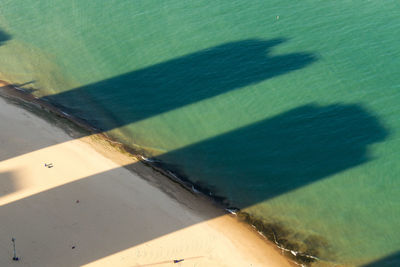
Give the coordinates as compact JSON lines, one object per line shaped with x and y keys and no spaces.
{"x":78,"y":128}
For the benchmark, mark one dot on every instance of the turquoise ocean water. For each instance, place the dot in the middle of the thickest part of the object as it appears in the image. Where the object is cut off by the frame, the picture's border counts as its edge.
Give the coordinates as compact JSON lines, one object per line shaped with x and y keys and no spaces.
{"x":288,"y":109}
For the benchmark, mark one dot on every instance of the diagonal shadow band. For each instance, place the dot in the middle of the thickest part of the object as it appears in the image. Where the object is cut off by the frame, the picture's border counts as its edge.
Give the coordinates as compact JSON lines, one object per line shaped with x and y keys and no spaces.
{"x":280,"y":154}
{"x":144,"y":93}
{"x":284,"y":153}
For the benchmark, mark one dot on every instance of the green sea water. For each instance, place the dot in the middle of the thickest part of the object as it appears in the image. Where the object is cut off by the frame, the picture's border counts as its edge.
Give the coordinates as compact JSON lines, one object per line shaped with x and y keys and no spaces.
{"x":288,"y":109}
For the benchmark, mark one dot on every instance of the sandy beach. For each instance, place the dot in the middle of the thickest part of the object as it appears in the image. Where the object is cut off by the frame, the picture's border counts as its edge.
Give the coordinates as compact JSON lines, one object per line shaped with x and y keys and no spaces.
{"x":71,"y":201}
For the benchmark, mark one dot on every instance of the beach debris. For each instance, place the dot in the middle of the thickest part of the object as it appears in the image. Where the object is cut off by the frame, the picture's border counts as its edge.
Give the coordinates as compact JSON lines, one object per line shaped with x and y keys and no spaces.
{"x":173,"y":261}
{"x":73,"y":247}
{"x":77,"y":201}
{"x":49,"y":165}
{"x":15,"y":258}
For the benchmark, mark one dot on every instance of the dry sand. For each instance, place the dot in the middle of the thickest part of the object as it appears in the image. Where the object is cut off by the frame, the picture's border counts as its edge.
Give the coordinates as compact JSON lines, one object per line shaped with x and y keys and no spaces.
{"x":88,"y":210}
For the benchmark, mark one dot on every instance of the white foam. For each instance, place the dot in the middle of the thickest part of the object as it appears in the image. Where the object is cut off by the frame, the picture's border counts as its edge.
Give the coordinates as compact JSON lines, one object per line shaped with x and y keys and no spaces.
{"x":195,"y":190}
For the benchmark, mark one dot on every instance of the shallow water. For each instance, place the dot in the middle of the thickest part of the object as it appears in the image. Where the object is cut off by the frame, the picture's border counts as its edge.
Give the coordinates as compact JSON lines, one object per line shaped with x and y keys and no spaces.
{"x":289,"y":110}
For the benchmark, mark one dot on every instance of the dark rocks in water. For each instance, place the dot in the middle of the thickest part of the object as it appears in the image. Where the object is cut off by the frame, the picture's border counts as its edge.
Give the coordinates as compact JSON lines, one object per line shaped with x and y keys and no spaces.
{"x":244,"y":217}
{"x":4,"y":37}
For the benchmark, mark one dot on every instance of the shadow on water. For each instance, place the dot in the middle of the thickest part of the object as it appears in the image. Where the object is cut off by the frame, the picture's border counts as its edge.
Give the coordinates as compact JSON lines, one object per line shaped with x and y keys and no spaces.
{"x":389,"y":261}
{"x":277,"y":155}
{"x":280,"y":154}
{"x":169,"y":85}
{"x":4,"y":37}
{"x":140,"y":94}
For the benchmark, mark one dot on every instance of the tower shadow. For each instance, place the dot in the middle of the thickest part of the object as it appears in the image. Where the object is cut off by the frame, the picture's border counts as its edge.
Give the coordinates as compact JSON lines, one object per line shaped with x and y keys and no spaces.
{"x":169,"y":85}
{"x":283,"y":153}
{"x":280,"y":154}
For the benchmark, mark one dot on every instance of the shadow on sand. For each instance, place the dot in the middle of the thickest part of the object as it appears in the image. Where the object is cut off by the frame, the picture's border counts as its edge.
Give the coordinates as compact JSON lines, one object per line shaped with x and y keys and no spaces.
{"x":288,"y":151}
{"x":283,"y":153}
{"x":8,"y":183}
{"x":250,"y":165}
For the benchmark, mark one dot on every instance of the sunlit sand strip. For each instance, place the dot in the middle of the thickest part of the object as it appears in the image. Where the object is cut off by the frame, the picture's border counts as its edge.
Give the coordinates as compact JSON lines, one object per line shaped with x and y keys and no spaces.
{"x":51,"y":167}
{"x":81,"y":208}
{"x":198,"y":245}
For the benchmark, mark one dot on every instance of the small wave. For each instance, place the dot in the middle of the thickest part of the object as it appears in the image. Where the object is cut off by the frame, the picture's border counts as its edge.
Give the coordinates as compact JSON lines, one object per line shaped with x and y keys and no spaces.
{"x":195,"y":190}
{"x":232,"y":211}
{"x":174,"y":176}
{"x":294,"y":253}
{"x":66,"y":114}
{"x":153,"y":161}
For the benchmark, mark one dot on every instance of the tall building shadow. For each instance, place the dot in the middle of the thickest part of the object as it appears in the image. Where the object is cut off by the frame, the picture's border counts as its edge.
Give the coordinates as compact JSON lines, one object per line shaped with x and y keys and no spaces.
{"x":140,"y":94}
{"x":279,"y":154}
{"x":144,"y":93}
{"x":282,"y":153}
